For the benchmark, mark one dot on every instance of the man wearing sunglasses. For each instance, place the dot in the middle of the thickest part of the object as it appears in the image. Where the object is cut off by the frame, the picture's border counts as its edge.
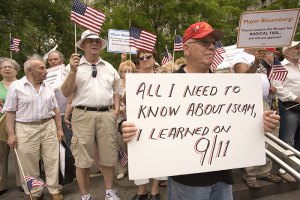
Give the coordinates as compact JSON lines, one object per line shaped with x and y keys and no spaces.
{"x":199,"y":50}
{"x":95,"y":86}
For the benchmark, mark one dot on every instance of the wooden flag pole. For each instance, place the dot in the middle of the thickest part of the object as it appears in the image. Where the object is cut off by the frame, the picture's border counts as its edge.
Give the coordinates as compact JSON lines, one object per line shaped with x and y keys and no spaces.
{"x":129,"y":39}
{"x":174,"y":48}
{"x":10,"y":45}
{"x":21,"y":168}
{"x":75,"y":36}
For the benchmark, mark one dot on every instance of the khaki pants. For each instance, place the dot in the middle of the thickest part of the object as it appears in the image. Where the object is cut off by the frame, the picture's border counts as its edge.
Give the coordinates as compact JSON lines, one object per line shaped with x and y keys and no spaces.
{"x":34,"y":142}
{"x":90,"y":127}
{"x":251,"y":173}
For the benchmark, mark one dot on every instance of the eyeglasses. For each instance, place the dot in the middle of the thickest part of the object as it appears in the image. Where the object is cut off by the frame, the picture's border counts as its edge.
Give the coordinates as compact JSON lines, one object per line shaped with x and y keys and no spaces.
{"x":94,"y":71}
{"x":142,"y":58}
{"x":205,"y":43}
{"x":7,"y":67}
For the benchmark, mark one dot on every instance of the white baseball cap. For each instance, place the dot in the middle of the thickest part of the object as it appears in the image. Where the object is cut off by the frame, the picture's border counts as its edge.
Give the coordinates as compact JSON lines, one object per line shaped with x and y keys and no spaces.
{"x":294,"y":43}
{"x":90,"y":34}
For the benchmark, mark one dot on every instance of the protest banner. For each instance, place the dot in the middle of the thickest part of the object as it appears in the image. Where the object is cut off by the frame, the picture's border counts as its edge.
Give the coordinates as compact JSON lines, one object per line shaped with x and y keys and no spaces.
{"x":54,"y":76}
{"x":191,"y":123}
{"x":118,"y":42}
{"x":229,"y":55}
{"x":274,"y":28}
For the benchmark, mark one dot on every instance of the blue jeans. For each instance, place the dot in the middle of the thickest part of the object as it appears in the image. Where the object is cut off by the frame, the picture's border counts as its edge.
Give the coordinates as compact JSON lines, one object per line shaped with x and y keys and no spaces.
{"x":289,"y":130}
{"x":217,"y":191}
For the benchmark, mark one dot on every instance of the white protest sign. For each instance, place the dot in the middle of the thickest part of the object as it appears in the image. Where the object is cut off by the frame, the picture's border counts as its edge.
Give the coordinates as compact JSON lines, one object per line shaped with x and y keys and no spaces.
{"x":118,"y":42}
{"x":229,"y":55}
{"x":190,"y":123}
{"x":54,"y":76}
{"x":267,"y":28}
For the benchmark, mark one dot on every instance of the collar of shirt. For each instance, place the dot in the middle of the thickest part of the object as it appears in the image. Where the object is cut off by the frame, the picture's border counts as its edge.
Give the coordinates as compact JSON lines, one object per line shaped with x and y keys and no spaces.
{"x":26,"y":81}
{"x":83,"y":61}
{"x":286,"y":62}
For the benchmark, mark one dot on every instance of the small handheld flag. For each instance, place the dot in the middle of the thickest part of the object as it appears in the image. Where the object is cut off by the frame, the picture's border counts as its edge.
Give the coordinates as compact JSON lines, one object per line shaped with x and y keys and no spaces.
{"x":14,"y":44}
{"x":178,"y":45}
{"x":278,"y":71}
{"x":122,"y":156}
{"x":32,"y":182}
{"x":218,"y":56}
{"x":167,"y":57}
{"x":87,"y":17}
{"x":141,"y":39}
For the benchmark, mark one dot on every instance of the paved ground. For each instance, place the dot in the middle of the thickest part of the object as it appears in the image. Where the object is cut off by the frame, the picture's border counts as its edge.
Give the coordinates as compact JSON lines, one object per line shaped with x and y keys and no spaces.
{"x":126,"y":188}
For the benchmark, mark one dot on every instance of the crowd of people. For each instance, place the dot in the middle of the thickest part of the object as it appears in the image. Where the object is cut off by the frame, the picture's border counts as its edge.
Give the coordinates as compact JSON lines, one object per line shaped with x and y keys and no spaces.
{"x":88,"y":111}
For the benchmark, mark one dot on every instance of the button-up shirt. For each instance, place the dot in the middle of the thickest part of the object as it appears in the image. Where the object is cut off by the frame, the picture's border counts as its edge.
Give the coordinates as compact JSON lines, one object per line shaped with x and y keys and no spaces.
{"x":289,"y":89}
{"x":98,"y":91}
{"x":30,"y":105}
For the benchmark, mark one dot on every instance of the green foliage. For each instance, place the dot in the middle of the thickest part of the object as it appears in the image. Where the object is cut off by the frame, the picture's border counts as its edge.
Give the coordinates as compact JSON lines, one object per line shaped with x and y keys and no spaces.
{"x":41,"y":24}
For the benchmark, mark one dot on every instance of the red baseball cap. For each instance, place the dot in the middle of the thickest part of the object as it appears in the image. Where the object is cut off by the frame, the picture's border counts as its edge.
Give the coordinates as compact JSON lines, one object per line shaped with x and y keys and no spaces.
{"x":272,"y":49}
{"x":200,"y":30}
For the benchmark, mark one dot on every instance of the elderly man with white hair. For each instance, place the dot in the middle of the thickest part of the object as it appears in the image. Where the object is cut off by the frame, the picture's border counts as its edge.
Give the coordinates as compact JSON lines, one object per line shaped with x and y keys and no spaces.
{"x":288,"y":93}
{"x":34,"y":128}
{"x":95,"y":85}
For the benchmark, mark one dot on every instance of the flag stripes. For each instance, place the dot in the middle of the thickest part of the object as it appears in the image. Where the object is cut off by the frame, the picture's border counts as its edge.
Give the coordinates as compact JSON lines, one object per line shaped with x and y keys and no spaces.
{"x":178,"y":45}
{"x":141,"y":39}
{"x":14,"y":44}
{"x":218,"y":59}
{"x":87,"y":17}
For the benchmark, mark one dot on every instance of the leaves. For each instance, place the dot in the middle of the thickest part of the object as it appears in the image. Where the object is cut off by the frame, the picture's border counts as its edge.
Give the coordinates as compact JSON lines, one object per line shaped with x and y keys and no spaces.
{"x":41,"y":24}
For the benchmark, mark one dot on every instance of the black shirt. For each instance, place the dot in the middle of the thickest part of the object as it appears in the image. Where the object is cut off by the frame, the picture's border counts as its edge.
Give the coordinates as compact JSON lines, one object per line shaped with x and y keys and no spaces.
{"x":203,"y":179}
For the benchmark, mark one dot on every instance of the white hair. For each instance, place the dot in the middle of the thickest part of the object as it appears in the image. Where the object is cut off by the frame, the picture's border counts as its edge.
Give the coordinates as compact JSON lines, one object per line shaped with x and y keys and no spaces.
{"x":29,"y":60}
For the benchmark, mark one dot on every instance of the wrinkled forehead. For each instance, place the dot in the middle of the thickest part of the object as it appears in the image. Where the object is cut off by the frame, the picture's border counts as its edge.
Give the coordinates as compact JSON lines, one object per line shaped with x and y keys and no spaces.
{"x":53,"y":55}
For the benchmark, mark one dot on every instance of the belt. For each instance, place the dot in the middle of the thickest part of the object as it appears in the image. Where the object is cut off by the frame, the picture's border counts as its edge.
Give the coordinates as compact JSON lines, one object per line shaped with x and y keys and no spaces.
{"x":98,"y":109}
{"x":38,"y":122}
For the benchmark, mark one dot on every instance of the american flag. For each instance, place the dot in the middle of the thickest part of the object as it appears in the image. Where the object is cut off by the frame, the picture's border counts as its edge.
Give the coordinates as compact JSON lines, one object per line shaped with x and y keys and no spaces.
{"x":218,"y":56}
{"x":14,"y":44}
{"x":122,"y":156}
{"x":167,"y":57}
{"x":278,"y":71}
{"x":178,"y":45}
{"x":32,"y":182}
{"x":141,"y":39}
{"x":87,"y":17}
{"x":1,"y":110}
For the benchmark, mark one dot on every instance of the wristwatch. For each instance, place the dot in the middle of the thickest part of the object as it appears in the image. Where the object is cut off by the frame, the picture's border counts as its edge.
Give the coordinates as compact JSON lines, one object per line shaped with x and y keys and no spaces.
{"x":254,"y":65}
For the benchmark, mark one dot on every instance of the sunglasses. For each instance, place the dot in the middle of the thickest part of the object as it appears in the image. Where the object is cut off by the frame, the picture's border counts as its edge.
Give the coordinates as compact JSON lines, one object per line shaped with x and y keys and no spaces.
{"x":94,"y":71}
{"x":142,"y":58}
{"x":205,"y":43}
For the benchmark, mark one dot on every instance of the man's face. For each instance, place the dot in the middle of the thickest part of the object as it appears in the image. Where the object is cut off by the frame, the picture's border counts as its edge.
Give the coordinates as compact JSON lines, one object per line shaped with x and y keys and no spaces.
{"x":54,"y":59}
{"x":269,"y":58}
{"x":38,"y":71}
{"x":91,"y":46}
{"x":294,"y":52}
{"x":201,"y":51}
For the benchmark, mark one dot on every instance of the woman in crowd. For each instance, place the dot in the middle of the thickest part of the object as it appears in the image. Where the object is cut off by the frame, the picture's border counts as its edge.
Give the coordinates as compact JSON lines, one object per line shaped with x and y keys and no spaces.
{"x":146,"y":62}
{"x":8,"y":70}
{"x":126,"y":66}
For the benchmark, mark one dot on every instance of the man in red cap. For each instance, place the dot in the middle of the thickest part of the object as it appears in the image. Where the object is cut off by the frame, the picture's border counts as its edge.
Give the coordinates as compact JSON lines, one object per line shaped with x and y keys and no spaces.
{"x":199,"y":50}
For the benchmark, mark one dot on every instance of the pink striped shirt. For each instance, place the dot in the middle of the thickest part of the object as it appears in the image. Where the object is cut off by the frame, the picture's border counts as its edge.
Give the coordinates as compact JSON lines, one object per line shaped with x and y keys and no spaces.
{"x":30,"y":105}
